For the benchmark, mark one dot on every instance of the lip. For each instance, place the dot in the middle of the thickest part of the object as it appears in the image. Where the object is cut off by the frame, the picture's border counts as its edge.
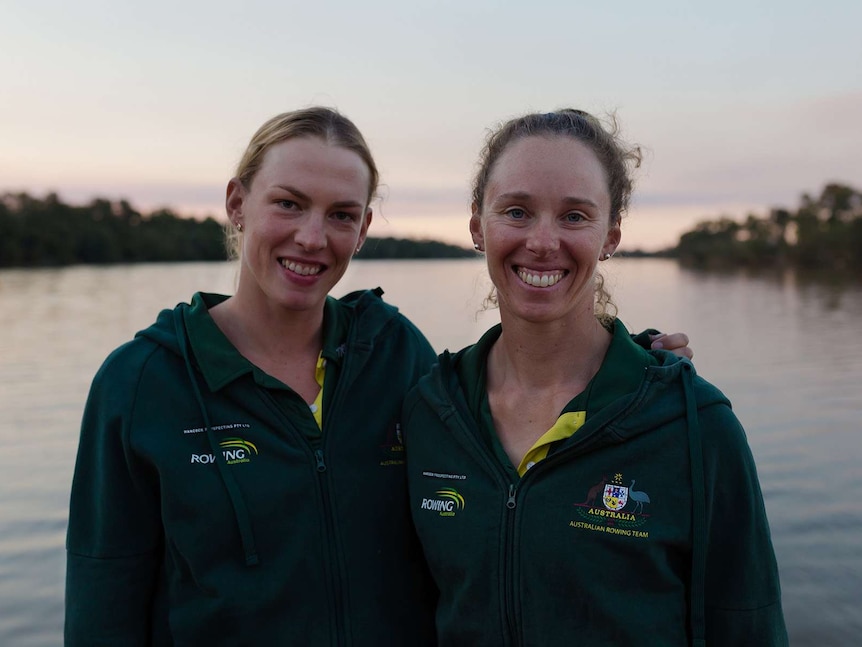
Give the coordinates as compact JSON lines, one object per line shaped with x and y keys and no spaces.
{"x":539,"y":278}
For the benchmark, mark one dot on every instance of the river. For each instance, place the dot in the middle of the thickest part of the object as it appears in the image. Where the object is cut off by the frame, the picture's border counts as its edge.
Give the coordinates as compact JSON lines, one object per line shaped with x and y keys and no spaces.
{"x":787,"y":351}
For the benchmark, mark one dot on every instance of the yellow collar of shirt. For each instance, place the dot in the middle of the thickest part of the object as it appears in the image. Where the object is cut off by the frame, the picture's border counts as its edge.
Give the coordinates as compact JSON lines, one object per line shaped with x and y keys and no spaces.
{"x":317,"y":406}
{"x":566,"y":425}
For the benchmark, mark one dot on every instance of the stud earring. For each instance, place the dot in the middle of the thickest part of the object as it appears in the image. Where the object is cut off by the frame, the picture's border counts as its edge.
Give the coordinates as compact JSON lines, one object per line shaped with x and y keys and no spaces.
{"x":239,"y":227}
{"x":605,"y":257}
{"x":476,"y":247}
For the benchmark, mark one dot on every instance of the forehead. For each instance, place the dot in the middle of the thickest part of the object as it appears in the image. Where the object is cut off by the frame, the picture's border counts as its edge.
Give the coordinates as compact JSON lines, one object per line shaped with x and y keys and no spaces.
{"x":313,"y":159}
{"x":554,"y":164}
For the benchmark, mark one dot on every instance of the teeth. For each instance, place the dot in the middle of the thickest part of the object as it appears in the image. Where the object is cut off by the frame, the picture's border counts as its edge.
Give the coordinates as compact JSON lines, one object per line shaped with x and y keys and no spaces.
{"x":299,"y":268}
{"x":540,"y":280}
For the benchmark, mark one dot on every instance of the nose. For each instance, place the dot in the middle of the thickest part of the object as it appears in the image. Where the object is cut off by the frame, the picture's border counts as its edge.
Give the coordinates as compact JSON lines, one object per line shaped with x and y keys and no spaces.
{"x":542,"y":237}
{"x":311,"y":232}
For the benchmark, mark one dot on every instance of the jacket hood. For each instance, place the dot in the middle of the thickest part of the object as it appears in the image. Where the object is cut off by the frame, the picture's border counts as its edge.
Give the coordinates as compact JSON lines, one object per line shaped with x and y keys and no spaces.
{"x":163,"y":331}
{"x":661,"y":397}
{"x":664,"y":395}
{"x":370,"y":310}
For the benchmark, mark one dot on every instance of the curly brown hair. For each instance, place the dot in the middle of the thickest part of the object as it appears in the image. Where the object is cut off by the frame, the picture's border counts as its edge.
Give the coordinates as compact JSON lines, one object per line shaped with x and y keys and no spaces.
{"x":617,"y":157}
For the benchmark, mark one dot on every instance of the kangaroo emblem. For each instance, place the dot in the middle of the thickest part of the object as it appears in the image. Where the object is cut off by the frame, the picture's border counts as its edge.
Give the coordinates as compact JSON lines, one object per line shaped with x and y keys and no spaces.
{"x":595,"y":491}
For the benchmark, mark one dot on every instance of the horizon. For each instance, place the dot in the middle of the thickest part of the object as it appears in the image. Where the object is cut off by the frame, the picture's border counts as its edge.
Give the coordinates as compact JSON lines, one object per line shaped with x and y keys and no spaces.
{"x":423,"y":232}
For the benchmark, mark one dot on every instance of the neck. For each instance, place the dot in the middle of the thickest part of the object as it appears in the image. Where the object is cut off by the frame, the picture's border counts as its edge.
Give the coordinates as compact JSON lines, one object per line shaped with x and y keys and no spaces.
{"x":548,"y":354}
{"x":258,"y":328}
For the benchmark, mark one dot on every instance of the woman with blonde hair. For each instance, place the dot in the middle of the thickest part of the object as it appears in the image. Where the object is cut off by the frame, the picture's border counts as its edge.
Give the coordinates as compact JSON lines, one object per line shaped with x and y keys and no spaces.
{"x":240,"y":476}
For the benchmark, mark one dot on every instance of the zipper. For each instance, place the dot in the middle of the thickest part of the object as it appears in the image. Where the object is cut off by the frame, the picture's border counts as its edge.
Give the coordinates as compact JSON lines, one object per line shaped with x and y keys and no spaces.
{"x":336,"y":568}
{"x":331,"y":569}
{"x":510,"y":586}
{"x":508,"y":596}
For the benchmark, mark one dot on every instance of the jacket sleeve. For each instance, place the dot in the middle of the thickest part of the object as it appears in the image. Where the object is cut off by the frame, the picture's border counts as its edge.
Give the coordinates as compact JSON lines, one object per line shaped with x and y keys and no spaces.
{"x":114,"y":534}
{"x":742,"y":592}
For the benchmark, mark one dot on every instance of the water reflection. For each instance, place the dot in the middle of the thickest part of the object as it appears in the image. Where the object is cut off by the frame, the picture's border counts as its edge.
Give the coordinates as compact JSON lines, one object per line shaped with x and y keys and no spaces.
{"x":784,"y":346}
{"x":828,"y":286}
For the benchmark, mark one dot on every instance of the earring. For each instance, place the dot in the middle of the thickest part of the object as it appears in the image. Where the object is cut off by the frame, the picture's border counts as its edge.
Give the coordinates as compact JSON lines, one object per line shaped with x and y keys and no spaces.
{"x":476,"y":247}
{"x":357,"y":250}
{"x":239,"y":227}
{"x":605,"y":257}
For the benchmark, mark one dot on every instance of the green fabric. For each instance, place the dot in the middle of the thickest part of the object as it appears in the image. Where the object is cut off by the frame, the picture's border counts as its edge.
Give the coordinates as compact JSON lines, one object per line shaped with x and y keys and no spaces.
{"x":594,"y":545}
{"x":154,"y":548}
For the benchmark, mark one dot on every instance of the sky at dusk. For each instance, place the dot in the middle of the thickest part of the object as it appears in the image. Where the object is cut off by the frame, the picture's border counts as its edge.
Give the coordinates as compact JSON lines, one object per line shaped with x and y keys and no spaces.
{"x":739,"y":105}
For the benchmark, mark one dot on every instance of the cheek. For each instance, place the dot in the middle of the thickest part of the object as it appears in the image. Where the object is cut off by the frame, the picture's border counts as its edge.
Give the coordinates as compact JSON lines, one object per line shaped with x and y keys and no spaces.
{"x":260,"y":236}
{"x":594,"y":240}
{"x":343,"y":243}
{"x":500,"y":237}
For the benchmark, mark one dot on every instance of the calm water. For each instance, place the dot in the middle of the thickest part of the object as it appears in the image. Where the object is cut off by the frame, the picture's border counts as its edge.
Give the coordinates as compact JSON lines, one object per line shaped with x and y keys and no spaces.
{"x":787,"y":353}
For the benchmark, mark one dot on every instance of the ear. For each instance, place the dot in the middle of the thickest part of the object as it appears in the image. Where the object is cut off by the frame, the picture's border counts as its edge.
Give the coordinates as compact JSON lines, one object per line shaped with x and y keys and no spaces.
{"x":363,"y":229}
{"x":612,"y":240}
{"x":476,"y":227}
{"x":233,"y":201}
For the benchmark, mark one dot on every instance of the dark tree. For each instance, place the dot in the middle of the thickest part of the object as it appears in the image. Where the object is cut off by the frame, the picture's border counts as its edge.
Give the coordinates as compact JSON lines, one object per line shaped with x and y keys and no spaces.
{"x":47,"y":232}
{"x":823,"y":233}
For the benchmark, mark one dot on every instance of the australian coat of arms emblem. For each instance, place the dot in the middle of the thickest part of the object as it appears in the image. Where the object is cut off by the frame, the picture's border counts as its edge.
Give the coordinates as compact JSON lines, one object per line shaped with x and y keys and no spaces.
{"x":615,"y":496}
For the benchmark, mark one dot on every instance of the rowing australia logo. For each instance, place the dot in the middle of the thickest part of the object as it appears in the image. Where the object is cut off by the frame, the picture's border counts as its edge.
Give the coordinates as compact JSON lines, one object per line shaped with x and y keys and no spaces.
{"x":446,"y":502}
{"x":234,"y":450}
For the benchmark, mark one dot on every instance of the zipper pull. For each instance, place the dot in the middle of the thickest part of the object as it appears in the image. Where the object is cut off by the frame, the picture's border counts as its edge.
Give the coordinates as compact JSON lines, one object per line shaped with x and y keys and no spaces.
{"x":511,"y":502}
{"x":321,"y":466}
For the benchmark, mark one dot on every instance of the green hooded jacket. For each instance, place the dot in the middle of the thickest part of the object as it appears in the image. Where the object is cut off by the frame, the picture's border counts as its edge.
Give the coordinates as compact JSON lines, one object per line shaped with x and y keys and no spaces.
{"x":645,"y":527}
{"x":208,"y":508}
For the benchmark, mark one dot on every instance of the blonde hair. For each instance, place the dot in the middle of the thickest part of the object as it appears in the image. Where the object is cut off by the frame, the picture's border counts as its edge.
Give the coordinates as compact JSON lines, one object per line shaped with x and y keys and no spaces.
{"x":317,"y":121}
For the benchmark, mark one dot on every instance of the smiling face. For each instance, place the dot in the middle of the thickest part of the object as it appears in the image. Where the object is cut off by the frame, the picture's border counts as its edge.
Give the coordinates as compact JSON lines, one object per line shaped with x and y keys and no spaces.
{"x":303,"y":216}
{"x":543,"y":224}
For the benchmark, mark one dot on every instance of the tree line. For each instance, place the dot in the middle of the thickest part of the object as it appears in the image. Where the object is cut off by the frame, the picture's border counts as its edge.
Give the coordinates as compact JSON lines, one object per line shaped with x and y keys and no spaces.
{"x":824,"y":232}
{"x":39,"y":232}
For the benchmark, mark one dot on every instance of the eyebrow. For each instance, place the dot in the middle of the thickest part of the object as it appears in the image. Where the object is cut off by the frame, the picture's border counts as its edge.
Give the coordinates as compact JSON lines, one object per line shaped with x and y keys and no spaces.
{"x":299,"y":194}
{"x":523,"y":195}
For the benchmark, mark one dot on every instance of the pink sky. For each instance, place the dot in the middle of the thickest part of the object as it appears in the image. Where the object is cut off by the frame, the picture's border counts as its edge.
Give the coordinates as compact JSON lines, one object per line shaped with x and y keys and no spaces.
{"x":740,"y":106}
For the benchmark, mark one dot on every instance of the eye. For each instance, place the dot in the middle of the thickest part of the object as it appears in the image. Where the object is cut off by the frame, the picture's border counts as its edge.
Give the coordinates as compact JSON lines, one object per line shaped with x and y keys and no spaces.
{"x":287,"y":204}
{"x":575,"y":216}
{"x":516,"y":213}
{"x":344,"y":216}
